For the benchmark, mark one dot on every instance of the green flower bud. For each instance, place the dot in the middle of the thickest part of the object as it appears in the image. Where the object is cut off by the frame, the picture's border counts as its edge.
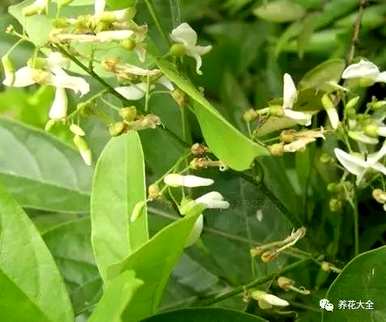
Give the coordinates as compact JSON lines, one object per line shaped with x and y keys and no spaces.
{"x":117,"y":129}
{"x":351,"y":113}
{"x":276,"y":110}
{"x":178,"y":50}
{"x":49,"y":125}
{"x":9,"y":70}
{"x":129,"y":114}
{"x":327,"y":102}
{"x":378,"y":105}
{"x":137,"y":211}
{"x":371,"y":130}
{"x":332,"y":187}
{"x":335,"y":205}
{"x":250,"y":115}
{"x":325,"y":158}
{"x":276,"y":149}
{"x":128,"y":44}
{"x":352,"y":103}
{"x":77,"y":130}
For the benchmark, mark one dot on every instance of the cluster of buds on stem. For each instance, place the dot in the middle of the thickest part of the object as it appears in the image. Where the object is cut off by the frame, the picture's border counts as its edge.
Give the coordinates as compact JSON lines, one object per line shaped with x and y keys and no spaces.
{"x":271,"y":251}
{"x":292,"y":141}
{"x":340,"y":191}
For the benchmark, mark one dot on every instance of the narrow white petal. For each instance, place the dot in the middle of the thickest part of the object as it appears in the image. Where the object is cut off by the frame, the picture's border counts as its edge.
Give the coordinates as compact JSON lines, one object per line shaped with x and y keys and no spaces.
{"x":213,"y":200}
{"x":375,"y":157}
{"x":382,"y":131}
{"x":303,"y":118}
{"x":363,"y":69}
{"x":184,"y":34}
{"x":381,"y":78}
{"x":135,"y":70}
{"x":363,"y":138}
{"x":64,"y":80}
{"x":111,"y":35}
{"x":86,"y":156}
{"x":165,"y":82}
{"x":55,"y":59}
{"x":99,"y":7}
{"x":133,"y":92}
{"x":333,"y":117}
{"x":196,"y":231}
{"x":23,"y":77}
{"x":59,"y":107}
{"x":289,"y":92}
{"x":353,"y":164}
{"x":379,"y":167}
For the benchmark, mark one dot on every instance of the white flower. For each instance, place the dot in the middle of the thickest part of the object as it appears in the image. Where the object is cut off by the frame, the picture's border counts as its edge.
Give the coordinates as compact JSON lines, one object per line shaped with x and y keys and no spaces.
{"x":184,"y":34}
{"x":331,"y":111}
{"x":61,"y":79}
{"x":177,"y":180}
{"x":113,"y":35}
{"x":290,"y":96}
{"x":266,"y":301}
{"x":59,"y":107}
{"x":364,"y":70}
{"x":213,"y":200}
{"x":196,"y":231}
{"x":358,"y":164}
{"x":84,"y":150}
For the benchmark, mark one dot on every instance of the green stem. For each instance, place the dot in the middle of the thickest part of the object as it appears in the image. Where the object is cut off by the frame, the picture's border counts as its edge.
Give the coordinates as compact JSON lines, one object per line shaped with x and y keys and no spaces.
{"x":354,"y":206}
{"x":238,"y":290}
{"x":150,"y":7}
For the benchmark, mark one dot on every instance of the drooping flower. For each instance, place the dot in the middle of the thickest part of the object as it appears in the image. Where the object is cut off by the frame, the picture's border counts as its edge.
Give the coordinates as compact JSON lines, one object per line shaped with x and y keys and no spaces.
{"x":302,"y":139}
{"x":185,"y":35}
{"x":196,"y":231}
{"x":267,"y":301}
{"x":190,"y":181}
{"x":331,"y":111}
{"x":25,"y":76}
{"x":59,"y":106}
{"x":290,"y":95}
{"x":364,"y":71}
{"x":133,"y":92}
{"x":84,"y":150}
{"x":359,"y":164}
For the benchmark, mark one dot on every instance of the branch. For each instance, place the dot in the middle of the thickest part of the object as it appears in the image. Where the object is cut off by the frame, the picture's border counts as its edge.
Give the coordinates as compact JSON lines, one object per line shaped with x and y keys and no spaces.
{"x":357,"y":28}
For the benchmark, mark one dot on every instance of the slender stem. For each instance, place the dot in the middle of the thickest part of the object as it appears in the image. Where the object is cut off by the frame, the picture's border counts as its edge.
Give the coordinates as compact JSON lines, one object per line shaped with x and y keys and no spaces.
{"x":254,"y":283}
{"x":357,"y":27}
{"x":150,"y":7}
{"x":354,"y":206}
{"x":90,"y":72}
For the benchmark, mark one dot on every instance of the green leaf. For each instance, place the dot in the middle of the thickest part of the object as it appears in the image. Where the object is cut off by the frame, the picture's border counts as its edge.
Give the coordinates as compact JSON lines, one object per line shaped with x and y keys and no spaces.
{"x":42,"y":172}
{"x":363,"y":279}
{"x":317,"y":78}
{"x":118,"y":294}
{"x":31,"y":286}
{"x":239,"y":151}
{"x":119,"y":184}
{"x":153,"y":264}
{"x":280,"y":11}
{"x":37,"y":27}
{"x":205,"y":315}
{"x":121,"y":4}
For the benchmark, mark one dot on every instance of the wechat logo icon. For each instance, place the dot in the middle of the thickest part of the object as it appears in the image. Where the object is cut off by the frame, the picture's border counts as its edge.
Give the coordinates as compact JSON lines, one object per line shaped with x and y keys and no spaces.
{"x":326,"y":305}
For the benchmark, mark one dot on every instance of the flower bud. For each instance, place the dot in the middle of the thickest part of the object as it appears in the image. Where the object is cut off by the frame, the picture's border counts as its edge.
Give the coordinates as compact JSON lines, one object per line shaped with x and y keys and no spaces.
{"x":276,"y":110}
{"x":325,"y":158}
{"x":250,"y":115}
{"x":137,"y":211}
{"x":153,"y":191}
{"x":49,"y":125}
{"x":269,"y":256}
{"x":199,"y":149}
{"x":371,"y":130}
{"x":352,"y":103}
{"x":128,"y":44}
{"x":59,"y":107}
{"x":177,"y":180}
{"x":335,"y":204}
{"x":332,"y":187}
{"x":178,"y":50}
{"x":117,"y":128}
{"x":83,"y":148}
{"x":276,"y":149}
{"x":266,"y":300}
{"x":288,"y":136}
{"x":285,"y":283}
{"x":77,"y":130}
{"x":379,"y":195}
{"x":351,"y":113}
{"x":129,"y":114}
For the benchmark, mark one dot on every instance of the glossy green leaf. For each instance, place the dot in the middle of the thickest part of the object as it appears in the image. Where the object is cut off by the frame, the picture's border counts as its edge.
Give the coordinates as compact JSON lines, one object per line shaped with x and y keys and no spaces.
{"x":205,"y":315}
{"x":119,"y":184}
{"x":29,"y":277}
{"x":363,"y":279}
{"x":280,"y":11}
{"x":318,"y":77}
{"x":42,"y":172}
{"x":117,"y":295}
{"x":239,"y":152}
{"x":153,"y":264}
